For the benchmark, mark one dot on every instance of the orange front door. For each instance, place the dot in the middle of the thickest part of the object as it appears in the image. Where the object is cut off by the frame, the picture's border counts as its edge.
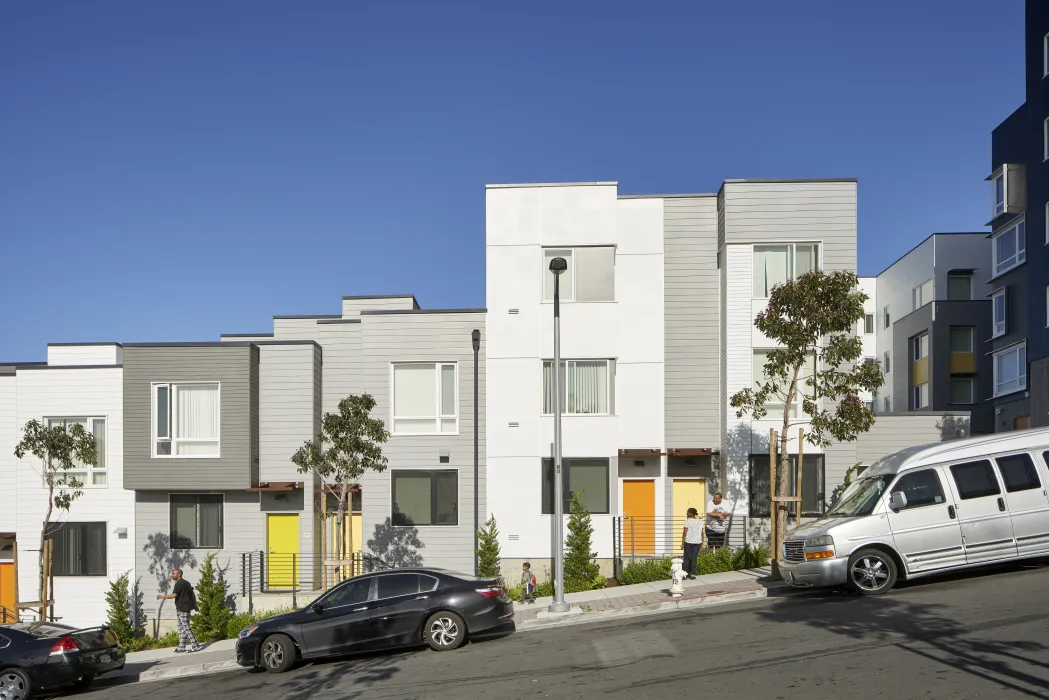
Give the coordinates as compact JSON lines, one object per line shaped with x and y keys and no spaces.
{"x":7,"y":586}
{"x":639,"y":517}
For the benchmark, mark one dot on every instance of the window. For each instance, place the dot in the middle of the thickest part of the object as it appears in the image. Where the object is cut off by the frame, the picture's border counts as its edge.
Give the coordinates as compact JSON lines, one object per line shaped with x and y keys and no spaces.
{"x":1045,"y":139}
{"x":775,"y":407}
{"x":84,"y":474}
{"x":868,"y":324}
{"x":920,"y":344}
{"x":425,"y":497}
{"x":1009,"y":248}
{"x":921,"y":396}
{"x":1018,"y":473}
{"x":888,"y":363}
{"x":922,"y":294}
{"x":975,"y":479}
{"x":1047,"y":223}
{"x":590,"y":275}
{"x":885,"y":314}
{"x":922,"y":488}
{"x":79,"y":549}
{"x":585,"y":387}
{"x":425,"y":398}
{"x":1045,"y":55}
{"x":887,"y":402}
{"x":961,"y":339}
{"x":963,"y":390}
{"x":1047,"y":306}
{"x":1010,"y":370}
{"x":395,"y":585}
{"x":999,"y":193}
{"x":586,"y":477}
{"x":196,"y":521}
{"x":353,"y":592}
{"x":959,"y":287}
{"x":998,"y":309}
{"x":776,"y":264}
{"x":812,"y":484}
{"x":186,"y":420}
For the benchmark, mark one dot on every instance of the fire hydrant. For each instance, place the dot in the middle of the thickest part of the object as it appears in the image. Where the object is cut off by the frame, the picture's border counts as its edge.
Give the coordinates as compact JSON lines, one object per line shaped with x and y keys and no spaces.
{"x":677,"y":575}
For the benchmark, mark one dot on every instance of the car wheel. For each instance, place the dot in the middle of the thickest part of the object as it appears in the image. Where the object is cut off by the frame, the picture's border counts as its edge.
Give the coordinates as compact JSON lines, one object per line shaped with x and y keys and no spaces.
{"x":278,"y":653}
{"x":15,"y":685}
{"x":444,"y":631}
{"x":871,"y":572}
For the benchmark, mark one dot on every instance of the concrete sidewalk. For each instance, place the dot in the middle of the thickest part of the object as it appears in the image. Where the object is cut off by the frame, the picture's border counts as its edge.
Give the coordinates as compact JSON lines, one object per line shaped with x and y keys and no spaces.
{"x":588,"y":606}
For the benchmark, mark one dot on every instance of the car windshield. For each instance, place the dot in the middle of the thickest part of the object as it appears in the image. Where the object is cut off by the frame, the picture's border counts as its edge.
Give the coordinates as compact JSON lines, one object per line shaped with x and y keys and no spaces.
{"x":860,"y":498}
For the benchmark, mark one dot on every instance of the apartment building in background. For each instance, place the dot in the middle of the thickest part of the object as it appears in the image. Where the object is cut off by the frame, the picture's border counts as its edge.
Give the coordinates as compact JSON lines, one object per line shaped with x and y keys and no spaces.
{"x":1019,"y":252}
{"x":932,"y":327}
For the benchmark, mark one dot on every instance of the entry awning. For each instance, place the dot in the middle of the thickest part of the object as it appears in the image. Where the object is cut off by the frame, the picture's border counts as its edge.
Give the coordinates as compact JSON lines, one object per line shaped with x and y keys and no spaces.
{"x":277,"y":486}
{"x":689,"y":451}
{"x":640,"y":453}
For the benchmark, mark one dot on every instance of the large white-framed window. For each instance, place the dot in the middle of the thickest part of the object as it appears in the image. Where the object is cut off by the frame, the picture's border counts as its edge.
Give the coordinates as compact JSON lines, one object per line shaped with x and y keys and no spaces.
{"x":1009,"y":247}
{"x":590,"y":275}
{"x":89,"y":476}
{"x":999,"y":190}
{"x":425,"y":398}
{"x":774,"y":408}
{"x":1010,"y":370}
{"x":187,"y":420}
{"x":776,"y":264}
{"x":998,"y":311}
{"x":921,"y":396}
{"x":586,"y":387}
{"x":922,"y":294}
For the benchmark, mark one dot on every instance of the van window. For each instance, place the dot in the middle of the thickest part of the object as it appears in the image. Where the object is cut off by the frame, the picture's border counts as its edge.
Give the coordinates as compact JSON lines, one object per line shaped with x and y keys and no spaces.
{"x":1018,"y":473}
{"x":975,"y":479}
{"x":922,"y":488}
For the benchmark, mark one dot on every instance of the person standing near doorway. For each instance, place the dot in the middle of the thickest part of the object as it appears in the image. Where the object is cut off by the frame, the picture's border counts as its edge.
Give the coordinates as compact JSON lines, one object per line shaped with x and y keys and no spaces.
{"x":691,"y":540}
{"x":716,"y":525}
{"x":185,"y":604}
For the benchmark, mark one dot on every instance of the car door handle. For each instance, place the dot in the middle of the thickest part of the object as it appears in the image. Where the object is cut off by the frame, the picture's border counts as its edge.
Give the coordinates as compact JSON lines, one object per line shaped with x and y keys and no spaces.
{"x":360,"y":609}
{"x":422,"y":597}
{"x":1001,"y":505}
{"x":950,"y":512}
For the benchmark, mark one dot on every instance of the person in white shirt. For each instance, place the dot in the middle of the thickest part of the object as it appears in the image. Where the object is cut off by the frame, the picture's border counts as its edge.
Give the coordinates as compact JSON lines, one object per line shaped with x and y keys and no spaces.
{"x":691,"y":540}
{"x":717,"y":515}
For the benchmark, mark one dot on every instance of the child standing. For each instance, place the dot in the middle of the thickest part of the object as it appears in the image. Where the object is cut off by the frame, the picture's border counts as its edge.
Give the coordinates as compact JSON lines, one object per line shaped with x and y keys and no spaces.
{"x":527,"y":584}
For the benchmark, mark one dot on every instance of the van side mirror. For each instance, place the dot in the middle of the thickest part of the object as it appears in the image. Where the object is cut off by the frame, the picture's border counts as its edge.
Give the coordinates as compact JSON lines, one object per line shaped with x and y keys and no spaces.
{"x":317,"y":608}
{"x":898,"y":500}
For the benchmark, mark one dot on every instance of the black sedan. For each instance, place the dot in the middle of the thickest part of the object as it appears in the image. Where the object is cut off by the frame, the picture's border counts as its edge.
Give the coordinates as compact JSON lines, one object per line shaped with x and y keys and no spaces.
{"x":383,"y":610}
{"x":40,"y":655}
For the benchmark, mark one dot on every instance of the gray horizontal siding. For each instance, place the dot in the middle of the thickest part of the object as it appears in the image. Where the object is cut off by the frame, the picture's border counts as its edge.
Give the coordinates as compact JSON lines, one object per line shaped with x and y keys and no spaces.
{"x":892,"y":433}
{"x":235,"y":368}
{"x":353,"y":306}
{"x":287,"y":387}
{"x":691,"y":322}
{"x":342,"y":362}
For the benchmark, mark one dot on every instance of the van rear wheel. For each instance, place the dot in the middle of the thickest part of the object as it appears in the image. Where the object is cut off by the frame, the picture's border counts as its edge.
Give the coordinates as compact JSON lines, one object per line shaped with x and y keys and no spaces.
{"x":871,"y":572}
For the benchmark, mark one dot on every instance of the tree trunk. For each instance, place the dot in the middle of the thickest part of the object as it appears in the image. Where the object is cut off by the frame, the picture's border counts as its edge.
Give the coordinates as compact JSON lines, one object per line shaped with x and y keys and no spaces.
{"x":43,"y":536}
{"x":340,"y":525}
{"x":779,"y":509}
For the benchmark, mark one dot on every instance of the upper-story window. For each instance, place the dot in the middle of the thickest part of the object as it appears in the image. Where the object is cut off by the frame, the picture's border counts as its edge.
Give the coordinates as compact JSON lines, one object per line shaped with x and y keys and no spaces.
{"x":1010,"y":370}
{"x":186,"y":419}
{"x":999,"y":185}
{"x":1045,"y":139}
{"x":922,"y":294}
{"x":425,"y":398}
{"x":959,"y":287}
{"x":885,"y":315}
{"x":1045,"y":55}
{"x":888,"y":363}
{"x":84,"y":474}
{"x":868,"y":324}
{"x":586,"y":387}
{"x":998,"y":309}
{"x":590,"y":275}
{"x":1009,"y":247}
{"x":921,"y":346}
{"x":775,"y":264}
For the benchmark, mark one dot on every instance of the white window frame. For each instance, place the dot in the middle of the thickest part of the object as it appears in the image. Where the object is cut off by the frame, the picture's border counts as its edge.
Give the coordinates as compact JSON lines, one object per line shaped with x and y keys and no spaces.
{"x":972,"y":391}
{"x":609,"y":389}
{"x":792,"y":257}
{"x":87,"y":481}
{"x":439,"y":417}
{"x":886,"y":319}
{"x":872,"y":318}
{"x":999,"y":328}
{"x":920,"y":392}
{"x":172,"y":412}
{"x":918,"y":298}
{"x":917,"y":351}
{"x":888,"y":363}
{"x":1021,"y":247}
{"x":997,"y":206}
{"x":1021,"y":373}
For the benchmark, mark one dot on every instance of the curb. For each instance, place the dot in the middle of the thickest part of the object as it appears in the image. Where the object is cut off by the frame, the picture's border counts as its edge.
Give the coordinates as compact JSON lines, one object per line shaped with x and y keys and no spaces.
{"x":163,"y":674}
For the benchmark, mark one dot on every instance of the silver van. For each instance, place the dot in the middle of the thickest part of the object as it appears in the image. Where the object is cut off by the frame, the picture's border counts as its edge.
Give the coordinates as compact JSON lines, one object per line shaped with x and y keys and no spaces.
{"x":929,"y":509}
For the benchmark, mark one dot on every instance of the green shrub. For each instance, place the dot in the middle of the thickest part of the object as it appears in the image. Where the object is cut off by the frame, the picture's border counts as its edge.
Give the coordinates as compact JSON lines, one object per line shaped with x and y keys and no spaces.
{"x":142,"y":643}
{"x":210,"y":624}
{"x":581,"y":570}
{"x":488,"y":549}
{"x":645,"y":571}
{"x":119,"y":615}
{"x":750,"y":557}
{"x":714,"y":561}
{"x":708,"y":562}
{"x":240,"y":621}
{"x":544,"y":589}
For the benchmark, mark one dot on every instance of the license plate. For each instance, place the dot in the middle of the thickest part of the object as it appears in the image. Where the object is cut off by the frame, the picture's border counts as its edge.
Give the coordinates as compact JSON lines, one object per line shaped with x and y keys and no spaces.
{"x":105,"y":659}
{"x":788,"y":577}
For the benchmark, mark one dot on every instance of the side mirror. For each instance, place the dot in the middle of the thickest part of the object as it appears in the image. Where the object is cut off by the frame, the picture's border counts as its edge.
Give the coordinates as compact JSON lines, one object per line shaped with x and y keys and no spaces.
{"x":898,"y":500}
{"x":317,"y":608}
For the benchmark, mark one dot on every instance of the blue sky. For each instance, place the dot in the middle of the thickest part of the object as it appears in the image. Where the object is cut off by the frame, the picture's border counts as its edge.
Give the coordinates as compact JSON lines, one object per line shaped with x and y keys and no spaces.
{"x":177,"y":171}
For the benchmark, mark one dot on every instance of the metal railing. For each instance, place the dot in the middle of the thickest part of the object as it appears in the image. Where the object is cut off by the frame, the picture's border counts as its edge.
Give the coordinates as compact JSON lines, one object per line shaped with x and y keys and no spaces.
{"x":7,"y":616}
{"x":295,"y":574}
{"x":638,"y":537}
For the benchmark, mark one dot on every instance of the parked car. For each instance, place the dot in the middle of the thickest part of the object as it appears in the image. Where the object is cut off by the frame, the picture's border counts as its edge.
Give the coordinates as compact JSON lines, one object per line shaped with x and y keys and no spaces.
{"x":926,"y":510}
{"x":382,"y":610}
{"x":42,"y":655}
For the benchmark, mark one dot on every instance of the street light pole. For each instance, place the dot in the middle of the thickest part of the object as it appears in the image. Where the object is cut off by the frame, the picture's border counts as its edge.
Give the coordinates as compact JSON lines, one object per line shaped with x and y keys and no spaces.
{"x":475,"y":336}
{"x":558,"y":266}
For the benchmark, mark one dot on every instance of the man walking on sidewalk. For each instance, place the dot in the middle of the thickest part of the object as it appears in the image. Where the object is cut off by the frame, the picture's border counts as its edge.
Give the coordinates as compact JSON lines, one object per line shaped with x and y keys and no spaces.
{"x":185,"y":603}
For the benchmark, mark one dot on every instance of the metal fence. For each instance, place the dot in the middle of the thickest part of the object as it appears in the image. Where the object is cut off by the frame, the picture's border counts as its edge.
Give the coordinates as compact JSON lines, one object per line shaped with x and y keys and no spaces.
{"x":7,"y":615}
{"x":637,"y":537}
{"x":295,"y":574}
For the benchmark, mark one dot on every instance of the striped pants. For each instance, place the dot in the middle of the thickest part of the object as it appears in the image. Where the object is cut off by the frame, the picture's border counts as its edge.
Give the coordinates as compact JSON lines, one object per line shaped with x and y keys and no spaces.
{"x":185,"y":632}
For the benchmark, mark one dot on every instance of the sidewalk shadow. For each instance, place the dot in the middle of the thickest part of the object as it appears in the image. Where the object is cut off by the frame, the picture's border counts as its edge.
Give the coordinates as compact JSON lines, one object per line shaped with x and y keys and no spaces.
{"x":331,"y":677}
{"x":926,"y":630}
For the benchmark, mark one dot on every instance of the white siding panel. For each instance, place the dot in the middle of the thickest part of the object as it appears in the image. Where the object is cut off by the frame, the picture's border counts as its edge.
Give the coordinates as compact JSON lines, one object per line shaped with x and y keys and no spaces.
{"x":74,"y":355}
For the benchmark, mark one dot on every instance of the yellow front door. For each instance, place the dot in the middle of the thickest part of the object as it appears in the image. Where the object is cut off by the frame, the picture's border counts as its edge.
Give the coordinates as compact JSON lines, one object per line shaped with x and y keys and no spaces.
{"x":639,"y":517}
{"x":282,"y":536}
{"x":688,"y":493}
{"x":7,"y":587}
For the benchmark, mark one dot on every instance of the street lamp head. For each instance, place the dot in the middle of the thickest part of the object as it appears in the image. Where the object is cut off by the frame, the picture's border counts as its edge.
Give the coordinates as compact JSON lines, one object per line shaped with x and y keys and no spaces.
{"x":558,"y":265}
{"x":476,"y":337}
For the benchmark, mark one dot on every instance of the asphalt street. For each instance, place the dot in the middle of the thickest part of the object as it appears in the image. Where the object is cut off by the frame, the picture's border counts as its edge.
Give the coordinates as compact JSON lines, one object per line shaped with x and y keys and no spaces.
{"x":979,"y":635}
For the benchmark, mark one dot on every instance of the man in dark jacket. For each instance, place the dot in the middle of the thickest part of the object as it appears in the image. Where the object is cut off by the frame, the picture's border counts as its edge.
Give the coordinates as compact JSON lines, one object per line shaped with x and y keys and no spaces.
{"x":185,"y":603}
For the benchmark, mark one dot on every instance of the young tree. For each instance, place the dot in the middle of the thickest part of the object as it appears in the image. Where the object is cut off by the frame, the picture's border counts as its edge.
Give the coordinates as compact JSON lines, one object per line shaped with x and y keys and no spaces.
{"x":581,"y":571}
{"x":60,"y":450}
{"x":811,"y":320}
{"x":488,"y":551}
{"x":120,"y":608}
{"x":350,"y":444}
{"x":211,"y":623}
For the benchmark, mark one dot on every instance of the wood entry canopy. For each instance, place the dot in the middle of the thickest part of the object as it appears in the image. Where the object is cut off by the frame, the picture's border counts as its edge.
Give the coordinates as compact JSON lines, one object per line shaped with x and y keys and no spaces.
{"x":277,"y":486}
{"x":671,"y":452}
